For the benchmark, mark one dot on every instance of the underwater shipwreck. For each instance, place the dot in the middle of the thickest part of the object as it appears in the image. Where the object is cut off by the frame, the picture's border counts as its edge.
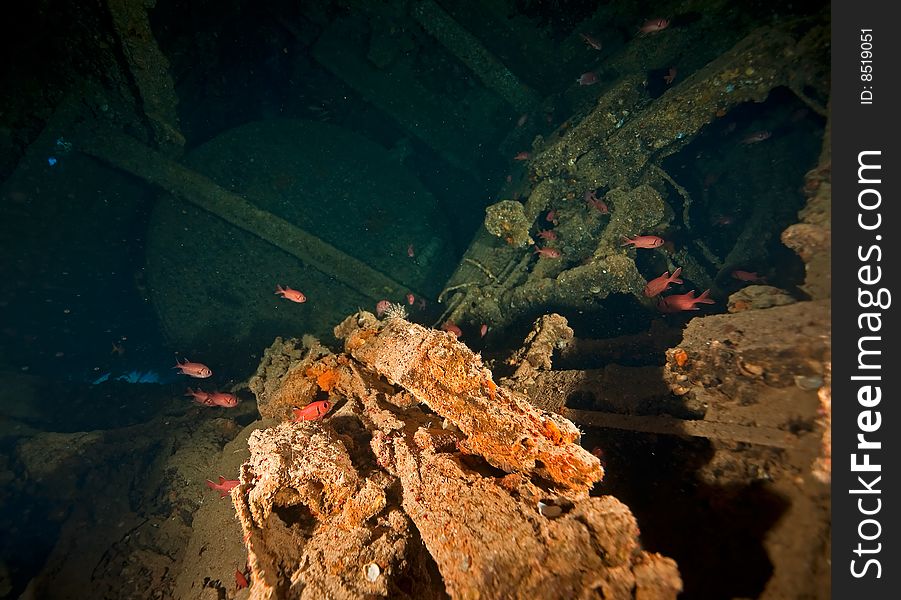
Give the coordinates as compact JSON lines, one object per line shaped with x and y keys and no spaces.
{"x":487,"y":389}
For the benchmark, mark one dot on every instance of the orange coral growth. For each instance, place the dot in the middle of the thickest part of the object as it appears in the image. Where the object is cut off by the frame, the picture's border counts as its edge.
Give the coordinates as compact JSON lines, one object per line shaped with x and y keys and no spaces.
{"x":359,"y":338}
{"x":492,"y":387}
{"x":326,"y":377}
{"x":680,"y":356}
{"x":553,"y":433}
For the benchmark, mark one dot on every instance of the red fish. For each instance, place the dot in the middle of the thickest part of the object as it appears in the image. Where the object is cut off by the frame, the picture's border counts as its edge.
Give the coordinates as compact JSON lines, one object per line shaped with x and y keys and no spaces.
{"x":523,"y":156}
{"x":652,"y":26}
{"x":660,"y":284}
{"x":224,"y":486}
{"x":592,"y":199}
{"x":312,"y":411}
{"x":547,"y":252}
{"x":644,"y":241}
{"x":551,"y":217}
{"x":290,"y":294}
{"x":748,"y":276}
{"x":381,"y":307}
{"x":410,"y":252}
{"x":222,"y":399}
{"x":587,"y":78}
{"x":670,"y":77}
{"x":200,"y":397}
{"x":451,"y":327}
{"x":483,"y":330}
{"x":193,"y":369}
{"x":240,"y":580}
{"x":547,"y":234}
{"x":679,"y":302}
{"x":411,"y":299}
{"x":591,"y":41}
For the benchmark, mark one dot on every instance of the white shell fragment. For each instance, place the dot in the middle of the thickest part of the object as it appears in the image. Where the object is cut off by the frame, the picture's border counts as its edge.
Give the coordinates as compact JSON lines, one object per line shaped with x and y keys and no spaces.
{"x":372,"y":571}
{"x":550,"y":511}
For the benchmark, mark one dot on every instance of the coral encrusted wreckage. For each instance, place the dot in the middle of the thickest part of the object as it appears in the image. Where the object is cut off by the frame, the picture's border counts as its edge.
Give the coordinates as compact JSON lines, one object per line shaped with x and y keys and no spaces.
{"x":427,"y":480}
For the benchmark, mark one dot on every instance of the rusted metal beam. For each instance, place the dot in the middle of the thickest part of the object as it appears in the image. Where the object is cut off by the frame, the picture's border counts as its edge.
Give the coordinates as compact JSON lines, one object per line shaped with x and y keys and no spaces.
{"x":726,"y":432}
{"x":148,"y":70}
{"x":462,"y":44}
{"x":126,"y":153}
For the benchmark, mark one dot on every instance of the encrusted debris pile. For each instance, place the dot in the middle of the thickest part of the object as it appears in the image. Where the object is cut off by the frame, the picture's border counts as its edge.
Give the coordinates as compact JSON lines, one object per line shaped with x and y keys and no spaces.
{"x":426,"y":480}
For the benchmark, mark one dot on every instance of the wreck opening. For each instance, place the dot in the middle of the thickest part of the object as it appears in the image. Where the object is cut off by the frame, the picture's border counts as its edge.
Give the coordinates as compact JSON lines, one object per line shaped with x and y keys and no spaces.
{"x":700,"y":520}
{"x":745,"y":174}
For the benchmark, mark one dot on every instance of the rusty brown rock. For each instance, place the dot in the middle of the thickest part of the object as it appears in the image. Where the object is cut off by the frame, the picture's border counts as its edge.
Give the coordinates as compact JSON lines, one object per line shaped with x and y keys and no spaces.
{"x":743,"y":359}
{"x":488,"y":542}
{"x":499,"y":424}
{"x":340,"y":508}
{"x":549,"y":333}
{"x":758,"y":296}
{"x":280,"y":381}
{"x":310,"y":520}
